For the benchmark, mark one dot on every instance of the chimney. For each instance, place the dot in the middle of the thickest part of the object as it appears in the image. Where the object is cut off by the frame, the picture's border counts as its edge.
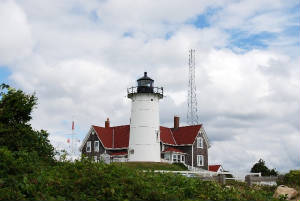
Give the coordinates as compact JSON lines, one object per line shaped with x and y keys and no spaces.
{"x":107,"y":123}
{"x":176,"y":122}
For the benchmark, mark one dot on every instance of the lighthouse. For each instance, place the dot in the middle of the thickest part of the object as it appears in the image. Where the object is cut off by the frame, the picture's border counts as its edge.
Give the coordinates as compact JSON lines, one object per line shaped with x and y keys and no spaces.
{"x":144,"y":137}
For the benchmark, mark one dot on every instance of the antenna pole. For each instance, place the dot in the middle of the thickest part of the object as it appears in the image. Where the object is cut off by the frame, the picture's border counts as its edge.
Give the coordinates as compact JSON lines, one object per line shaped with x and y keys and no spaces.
{"x":192,"y":113}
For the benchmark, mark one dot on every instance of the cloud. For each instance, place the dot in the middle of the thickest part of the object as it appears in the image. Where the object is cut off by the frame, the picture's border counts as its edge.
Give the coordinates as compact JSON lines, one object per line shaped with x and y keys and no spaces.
{"x":15,"y":35}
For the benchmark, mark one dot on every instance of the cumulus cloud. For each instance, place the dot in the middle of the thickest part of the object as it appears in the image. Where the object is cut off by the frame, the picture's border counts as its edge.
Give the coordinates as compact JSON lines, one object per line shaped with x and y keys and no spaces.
{"x":79,"y":58}
{"x":15,"y":35}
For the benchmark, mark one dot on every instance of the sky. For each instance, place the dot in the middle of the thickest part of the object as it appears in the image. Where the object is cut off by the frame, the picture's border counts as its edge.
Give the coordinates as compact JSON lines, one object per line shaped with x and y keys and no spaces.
{"x":79,"y":57}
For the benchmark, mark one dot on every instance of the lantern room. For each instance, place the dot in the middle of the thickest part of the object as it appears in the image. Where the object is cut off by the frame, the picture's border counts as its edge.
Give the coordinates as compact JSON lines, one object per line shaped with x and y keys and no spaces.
{"x":145,"y":85}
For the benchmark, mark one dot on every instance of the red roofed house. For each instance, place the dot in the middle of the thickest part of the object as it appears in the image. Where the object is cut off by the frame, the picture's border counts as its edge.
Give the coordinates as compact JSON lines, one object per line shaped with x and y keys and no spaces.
{"x":187,"y":144}
{"x":215,"y":168}
{"x":144,"y":139}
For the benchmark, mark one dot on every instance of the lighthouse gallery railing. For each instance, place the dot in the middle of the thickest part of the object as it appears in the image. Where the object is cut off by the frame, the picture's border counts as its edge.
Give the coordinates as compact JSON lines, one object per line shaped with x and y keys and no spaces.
{"x":134,"y":90}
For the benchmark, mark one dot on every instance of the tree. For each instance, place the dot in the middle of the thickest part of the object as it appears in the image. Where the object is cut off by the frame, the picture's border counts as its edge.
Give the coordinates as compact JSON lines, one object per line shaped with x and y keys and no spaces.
{"x":16,"y":132}
{"x":15,"y":106}
{"x":263,"y":169}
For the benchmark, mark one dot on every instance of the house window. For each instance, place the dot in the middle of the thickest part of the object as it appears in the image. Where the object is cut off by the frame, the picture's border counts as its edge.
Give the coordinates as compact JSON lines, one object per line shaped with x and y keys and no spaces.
{"x":162,"y":147}
{"x":95,"y":158}
{"x":199,"y":142}
{"x":96,"y":146}
{"x":174,"y":157}
{"x":167,"y":156}
{"x":182,"y":158}
{"x":88,"y":146}
{"x":200,"y":160}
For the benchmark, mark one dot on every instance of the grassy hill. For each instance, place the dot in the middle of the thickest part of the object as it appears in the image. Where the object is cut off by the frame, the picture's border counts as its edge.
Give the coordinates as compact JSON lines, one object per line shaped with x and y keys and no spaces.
{"x":154,"y":166}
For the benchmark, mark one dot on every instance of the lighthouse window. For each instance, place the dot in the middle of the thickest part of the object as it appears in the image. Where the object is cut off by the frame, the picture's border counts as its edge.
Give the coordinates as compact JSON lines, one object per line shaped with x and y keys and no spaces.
{"x":145,"y":83}
{"x":132,"y":151}
{"x":157,"y":135}
{"x":151,"y":99}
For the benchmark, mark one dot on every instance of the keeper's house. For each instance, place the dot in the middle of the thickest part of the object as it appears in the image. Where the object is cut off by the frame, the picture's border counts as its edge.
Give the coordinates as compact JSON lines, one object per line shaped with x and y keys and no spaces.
{"x":144,"y":139}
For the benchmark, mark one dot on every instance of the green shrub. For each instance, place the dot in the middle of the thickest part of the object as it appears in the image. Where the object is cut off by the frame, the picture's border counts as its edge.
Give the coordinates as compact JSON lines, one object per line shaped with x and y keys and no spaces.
{"x":87,"y":180}
{"x":154,"y":166}
{"x":290,"y":179}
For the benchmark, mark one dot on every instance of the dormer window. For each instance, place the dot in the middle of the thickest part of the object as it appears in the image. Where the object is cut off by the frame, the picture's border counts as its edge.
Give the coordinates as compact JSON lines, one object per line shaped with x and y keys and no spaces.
{"x":199,"y":142}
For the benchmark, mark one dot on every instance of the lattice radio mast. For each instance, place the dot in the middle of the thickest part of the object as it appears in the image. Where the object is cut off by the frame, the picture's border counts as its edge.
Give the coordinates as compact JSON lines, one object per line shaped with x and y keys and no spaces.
{"x":192,"y":113}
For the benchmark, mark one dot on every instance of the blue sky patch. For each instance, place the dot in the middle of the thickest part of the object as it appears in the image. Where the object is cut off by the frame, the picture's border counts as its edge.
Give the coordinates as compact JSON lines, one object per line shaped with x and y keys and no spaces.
{"x":77,"y":10}
{"x":245,"y":41}
{"x":202,"y":20}
{"x":128,"y":34}
{"x":93,"y":16}
{"x":4,"y":74}
{"x":169,"y":35}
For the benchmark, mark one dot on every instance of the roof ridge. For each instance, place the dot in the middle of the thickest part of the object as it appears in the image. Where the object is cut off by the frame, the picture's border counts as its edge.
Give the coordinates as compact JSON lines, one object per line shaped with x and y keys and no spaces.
{"x":190,"y":126}
{"x":173,"y":136}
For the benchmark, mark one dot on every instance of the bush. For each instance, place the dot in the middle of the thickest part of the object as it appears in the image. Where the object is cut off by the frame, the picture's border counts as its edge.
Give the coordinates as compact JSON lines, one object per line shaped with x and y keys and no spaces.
{"x":154,"y":166}
{"x":87,"y":180}
{"x":263,"y":169}
{"x":290,"y":179}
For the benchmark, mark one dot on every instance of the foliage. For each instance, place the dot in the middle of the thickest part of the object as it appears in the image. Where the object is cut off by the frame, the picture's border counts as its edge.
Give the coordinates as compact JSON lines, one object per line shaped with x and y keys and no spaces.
{"x":290,"y":179}
{"x":154,"y":166}
{"x":263,"y":169}
{"x":15,"y":106}
{"x":15,"y":132}
{"x":87,"y":180}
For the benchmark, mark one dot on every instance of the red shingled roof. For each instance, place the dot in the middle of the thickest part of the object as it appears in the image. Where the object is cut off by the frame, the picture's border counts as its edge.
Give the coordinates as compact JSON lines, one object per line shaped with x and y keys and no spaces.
{"x":214,"y":168}
{"x":186,"y":134}
{"x":171,"y":149}
{"x":166,"y":136}
{"x":118,"y":136}
{"x":113,"y":137}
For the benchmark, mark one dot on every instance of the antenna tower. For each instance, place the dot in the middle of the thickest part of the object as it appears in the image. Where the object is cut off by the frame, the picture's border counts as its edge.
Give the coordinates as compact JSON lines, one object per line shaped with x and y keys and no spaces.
{"x":192,"y":113}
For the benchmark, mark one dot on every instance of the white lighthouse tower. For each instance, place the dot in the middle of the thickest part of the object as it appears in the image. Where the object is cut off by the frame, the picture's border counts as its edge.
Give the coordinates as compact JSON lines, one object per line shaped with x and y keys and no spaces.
{"x":144,"y":139}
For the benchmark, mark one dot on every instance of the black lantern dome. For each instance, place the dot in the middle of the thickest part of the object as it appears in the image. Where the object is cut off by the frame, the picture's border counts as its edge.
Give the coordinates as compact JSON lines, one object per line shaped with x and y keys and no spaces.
{"x":145,"y":85}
